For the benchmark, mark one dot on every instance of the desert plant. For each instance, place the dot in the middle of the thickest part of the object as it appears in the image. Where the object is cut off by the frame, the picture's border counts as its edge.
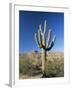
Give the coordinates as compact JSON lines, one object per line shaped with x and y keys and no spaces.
{"x":26,"y":67}
{"x":42,"y":44}
{"x":54,"y":68}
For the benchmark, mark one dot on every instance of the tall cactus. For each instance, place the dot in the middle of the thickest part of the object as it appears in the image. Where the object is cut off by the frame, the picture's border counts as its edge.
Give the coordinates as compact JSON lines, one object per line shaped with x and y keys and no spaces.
{"x":45,"y":45}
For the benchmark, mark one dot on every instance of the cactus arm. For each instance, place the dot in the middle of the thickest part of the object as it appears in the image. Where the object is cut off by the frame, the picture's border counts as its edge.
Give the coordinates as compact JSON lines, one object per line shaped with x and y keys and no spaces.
{"x":45,"y":27}
{"x":40,"y":34}
{"x":54,"y":39}
{"x":40,"y":28}
{"x":41,"y":38}
{"x":49,"y":38}
{"x":52,"y":44}
{"x":48,"y":49}
{"x":43,"y":42}
{"x":45,"y":32}
{"x":37,"y":40}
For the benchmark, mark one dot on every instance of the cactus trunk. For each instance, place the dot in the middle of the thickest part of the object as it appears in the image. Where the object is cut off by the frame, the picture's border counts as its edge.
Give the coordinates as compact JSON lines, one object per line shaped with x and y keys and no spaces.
{"x":43,"y":60}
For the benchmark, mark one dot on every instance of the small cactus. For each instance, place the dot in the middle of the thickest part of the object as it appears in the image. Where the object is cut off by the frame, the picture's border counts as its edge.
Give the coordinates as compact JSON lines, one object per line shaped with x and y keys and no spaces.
{"x":42,"y":44}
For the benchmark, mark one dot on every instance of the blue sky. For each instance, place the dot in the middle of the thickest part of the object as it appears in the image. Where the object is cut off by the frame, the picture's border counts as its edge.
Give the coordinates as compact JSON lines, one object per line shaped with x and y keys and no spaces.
{"x":29,"y":22}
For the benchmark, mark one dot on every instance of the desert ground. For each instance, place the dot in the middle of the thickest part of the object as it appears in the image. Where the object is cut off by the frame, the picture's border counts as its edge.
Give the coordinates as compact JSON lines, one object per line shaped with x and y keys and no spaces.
{"x":30,"y":65}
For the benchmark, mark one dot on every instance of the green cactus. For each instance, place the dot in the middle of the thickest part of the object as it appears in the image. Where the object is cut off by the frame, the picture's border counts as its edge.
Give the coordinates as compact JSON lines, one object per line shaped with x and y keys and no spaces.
{"x":45,"y":45}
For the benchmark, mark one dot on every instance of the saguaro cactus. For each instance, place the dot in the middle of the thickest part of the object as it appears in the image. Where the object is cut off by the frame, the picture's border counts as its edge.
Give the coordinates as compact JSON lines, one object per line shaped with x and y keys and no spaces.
{"x":45,"y":45}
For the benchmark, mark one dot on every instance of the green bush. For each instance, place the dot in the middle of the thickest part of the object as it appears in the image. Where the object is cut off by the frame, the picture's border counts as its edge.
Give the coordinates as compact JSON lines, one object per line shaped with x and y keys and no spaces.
{"x":26,"y":67}
{"x":54,"y":68}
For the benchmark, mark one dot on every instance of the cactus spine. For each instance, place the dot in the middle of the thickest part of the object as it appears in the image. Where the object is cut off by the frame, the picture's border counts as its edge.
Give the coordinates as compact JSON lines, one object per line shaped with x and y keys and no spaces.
{"x":45,"y":45}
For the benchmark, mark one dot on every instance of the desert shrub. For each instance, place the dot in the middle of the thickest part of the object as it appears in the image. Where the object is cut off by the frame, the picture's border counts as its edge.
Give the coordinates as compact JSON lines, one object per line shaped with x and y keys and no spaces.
{"x":26,"y":67}
{"x":54,"y":68}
